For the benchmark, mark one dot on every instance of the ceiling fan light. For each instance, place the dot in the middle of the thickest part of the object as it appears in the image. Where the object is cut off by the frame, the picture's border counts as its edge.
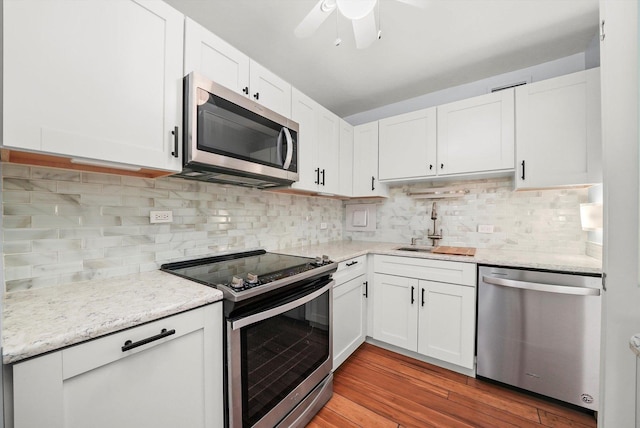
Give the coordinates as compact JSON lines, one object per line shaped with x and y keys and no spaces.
{"x":355,"y":9}
{"x":328,"y":5}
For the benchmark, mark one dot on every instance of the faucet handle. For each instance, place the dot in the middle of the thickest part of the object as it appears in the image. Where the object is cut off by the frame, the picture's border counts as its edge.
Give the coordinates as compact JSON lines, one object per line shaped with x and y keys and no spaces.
{"x":414,"y":240}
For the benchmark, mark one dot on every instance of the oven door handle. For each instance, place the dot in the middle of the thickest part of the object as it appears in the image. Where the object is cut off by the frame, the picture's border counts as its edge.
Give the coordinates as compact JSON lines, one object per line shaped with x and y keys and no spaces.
{"x":252,"y":319}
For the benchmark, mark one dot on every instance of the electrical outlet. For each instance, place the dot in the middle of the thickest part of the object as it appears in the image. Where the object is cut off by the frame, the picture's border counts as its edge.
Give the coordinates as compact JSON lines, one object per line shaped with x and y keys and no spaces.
{"x":323,"y":226}
{"x":160,"y":216}
{"x":485,"y":228}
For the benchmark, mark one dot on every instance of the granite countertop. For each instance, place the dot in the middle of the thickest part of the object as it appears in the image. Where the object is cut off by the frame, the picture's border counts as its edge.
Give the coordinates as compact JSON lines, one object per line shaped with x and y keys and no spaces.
{"x":344,"y":250}
{"x":46,"y":319}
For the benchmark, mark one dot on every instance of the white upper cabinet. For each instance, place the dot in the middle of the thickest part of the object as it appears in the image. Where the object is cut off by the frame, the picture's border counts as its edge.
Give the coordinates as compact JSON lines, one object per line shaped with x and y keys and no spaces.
{"x":329,"y":151}
{"x":365,"y":162}
{"x":346,"y":158}
{"x":558,"y":131}
{"x":269,"y":90}
{"x":407,"y":145}
{"x":318,"y":145}
{"x":304,"y":111}
{"x":94,"y":80}
{"x":476,"y":134}
{"x":214,"y":58}
{"x":220,"y":62}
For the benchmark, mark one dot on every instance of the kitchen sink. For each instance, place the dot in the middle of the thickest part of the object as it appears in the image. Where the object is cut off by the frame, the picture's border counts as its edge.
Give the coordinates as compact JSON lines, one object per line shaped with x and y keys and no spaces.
{"x":415,"y":249}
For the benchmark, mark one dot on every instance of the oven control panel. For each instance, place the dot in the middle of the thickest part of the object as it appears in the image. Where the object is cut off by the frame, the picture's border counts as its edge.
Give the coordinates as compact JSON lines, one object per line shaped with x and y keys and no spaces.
{"x":252,"y":280}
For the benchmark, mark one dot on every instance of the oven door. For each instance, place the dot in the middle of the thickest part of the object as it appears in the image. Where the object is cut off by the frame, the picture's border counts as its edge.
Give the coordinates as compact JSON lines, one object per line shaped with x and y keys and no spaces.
{"x":278,"y":354}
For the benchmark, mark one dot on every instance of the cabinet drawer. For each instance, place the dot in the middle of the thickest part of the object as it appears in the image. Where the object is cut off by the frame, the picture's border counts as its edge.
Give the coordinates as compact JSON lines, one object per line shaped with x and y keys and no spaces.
{"x":349,"y":269}
{"x":96,"y":353}
{"x":428,"y":269}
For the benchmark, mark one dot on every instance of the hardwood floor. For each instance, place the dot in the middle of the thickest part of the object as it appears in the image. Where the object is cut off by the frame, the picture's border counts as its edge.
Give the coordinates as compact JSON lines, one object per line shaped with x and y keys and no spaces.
{"x":379,"y":388}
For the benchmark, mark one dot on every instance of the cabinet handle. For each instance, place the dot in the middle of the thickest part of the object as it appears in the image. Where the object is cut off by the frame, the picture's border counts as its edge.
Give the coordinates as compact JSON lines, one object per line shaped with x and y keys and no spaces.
{"x":522,"y":170}
{"x":373,"y":183}
{"x":245,"y":90}
{"x":355,"y":262}
{"x":441,"y":166}
{"x":317,"y":171}
{"x":256,"y":95}
{"x":412,"y":298}
{"x":366,"y":289}
{"x":174,"y":153}
{"x":430,"y":167}
{"x":128,"y":345}
{"x":323,"y":176}
{"x":423,"y":297}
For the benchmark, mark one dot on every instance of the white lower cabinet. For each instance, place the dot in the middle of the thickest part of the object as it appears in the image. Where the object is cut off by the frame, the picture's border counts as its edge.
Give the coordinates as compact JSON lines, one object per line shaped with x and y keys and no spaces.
{"x":426,"y":306}
{"x":173,"y":381}
{"x":349,"y":308}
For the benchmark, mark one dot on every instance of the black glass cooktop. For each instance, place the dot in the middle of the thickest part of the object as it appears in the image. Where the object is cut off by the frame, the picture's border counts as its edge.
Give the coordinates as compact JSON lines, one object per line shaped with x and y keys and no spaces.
{"x":240,"y":273}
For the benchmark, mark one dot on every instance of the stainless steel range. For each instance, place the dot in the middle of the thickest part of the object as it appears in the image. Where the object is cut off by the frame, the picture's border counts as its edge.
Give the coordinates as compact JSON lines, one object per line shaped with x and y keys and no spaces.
{"x":278,"y":337}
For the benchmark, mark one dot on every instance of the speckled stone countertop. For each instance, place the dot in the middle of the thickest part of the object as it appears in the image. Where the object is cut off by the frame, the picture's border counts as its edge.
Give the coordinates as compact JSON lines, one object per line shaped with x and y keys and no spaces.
{"x":344,"y":250}
{"x":46,"y":319}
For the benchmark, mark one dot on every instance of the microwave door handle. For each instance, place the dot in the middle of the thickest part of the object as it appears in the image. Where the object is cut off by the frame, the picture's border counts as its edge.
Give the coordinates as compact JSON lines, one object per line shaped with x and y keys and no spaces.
{"x":287,"y":162}
{"x":279,"y":146}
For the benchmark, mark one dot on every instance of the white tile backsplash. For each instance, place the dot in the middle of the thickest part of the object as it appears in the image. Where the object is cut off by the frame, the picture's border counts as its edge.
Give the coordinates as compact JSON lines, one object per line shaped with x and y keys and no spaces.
{"x":542,"y":220}
{"x":66,"y":226}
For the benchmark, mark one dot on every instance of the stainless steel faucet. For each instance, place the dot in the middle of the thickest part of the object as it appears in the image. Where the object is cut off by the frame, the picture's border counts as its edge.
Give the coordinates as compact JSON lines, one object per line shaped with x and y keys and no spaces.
{"x":433,"y":235}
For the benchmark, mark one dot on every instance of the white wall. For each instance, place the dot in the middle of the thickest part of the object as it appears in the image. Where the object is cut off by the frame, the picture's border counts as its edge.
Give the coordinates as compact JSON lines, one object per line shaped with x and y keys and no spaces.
{"x":621,"y":312}
{"x":547,"y":70}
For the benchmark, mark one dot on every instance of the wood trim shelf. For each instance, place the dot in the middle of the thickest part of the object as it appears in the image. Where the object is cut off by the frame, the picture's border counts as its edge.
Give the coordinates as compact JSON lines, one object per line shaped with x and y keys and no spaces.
{"x":52,"y":161}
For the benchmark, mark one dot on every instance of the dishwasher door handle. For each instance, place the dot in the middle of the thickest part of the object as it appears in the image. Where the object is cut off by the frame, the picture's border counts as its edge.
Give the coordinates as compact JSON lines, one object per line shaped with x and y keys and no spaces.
{"x":547,"y":288}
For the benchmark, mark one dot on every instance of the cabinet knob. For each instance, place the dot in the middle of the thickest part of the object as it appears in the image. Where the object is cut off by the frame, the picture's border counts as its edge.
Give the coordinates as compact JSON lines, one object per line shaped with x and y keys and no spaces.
{"x":245,"y":90}
{"x":256,"y":95}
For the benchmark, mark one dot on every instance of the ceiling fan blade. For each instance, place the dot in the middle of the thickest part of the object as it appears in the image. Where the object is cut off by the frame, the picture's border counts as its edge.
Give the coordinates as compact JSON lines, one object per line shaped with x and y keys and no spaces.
{"x":365,"y":30}
{"x":422,"y":4}
{"x":314,"y":18}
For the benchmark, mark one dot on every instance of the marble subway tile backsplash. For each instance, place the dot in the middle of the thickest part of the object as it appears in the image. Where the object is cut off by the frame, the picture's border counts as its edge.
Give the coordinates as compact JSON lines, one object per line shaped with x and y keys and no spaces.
{"x":541,"y":221}
{"x":64,"y":226}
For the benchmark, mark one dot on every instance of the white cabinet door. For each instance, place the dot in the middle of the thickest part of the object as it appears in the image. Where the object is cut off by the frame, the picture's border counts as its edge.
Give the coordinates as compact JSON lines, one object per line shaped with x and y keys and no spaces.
{"x":329,"y":151}
{"x":349,"y":320}
{"x":476,"y":134}
{"x":269,"y":90}
{"x":206,"y":53}
{"x":99,"y":80}
{"x":346,"y":158}
{"x":170,"y":382}
{"x":395,"y":309}
{"x":558,"y":131}
{"x":304,"y":111}
{"x":447,"y":322}
{"x":408,"y":145}
{"x":365,"y":161}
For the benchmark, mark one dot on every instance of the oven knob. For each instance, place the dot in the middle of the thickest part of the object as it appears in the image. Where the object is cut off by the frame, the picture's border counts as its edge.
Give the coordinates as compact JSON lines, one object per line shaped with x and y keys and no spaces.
{"x":252,"y":278}
{"x":318,"y":261}
{"x":237,"y":283}
{"x":325,"y":259}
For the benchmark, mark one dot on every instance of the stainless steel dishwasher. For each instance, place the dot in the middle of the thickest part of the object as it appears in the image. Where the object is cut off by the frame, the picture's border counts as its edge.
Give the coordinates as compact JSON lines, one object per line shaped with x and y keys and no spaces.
{"x":540,"y":331}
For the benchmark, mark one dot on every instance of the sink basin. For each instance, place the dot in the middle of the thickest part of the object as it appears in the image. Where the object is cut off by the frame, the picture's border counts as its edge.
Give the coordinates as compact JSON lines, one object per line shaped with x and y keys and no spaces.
{"x":416,"y":249}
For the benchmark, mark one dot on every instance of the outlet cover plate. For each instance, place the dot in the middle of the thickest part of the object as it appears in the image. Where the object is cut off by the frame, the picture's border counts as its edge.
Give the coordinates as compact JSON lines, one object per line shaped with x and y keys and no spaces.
{"x":160,"y":216}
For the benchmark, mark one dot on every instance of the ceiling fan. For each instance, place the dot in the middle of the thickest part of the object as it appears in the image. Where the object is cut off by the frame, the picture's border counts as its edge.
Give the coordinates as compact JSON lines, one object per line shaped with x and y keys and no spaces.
{"x":360,"y":12}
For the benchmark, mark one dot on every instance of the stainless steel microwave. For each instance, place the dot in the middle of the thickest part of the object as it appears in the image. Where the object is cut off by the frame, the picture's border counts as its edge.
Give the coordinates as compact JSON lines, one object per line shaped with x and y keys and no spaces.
{"x":231,"y":139}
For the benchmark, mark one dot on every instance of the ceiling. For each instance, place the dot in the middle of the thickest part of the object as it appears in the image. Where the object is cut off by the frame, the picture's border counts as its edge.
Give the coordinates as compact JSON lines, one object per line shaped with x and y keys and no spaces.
{"x":422,"y":50}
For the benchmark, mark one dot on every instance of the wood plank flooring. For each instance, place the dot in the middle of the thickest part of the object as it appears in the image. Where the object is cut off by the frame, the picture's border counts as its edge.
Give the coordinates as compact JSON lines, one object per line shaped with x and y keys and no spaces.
{"x":379,"y":388}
